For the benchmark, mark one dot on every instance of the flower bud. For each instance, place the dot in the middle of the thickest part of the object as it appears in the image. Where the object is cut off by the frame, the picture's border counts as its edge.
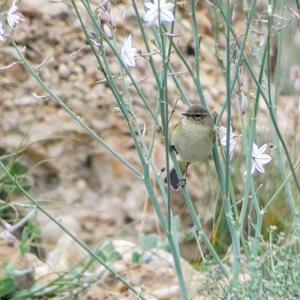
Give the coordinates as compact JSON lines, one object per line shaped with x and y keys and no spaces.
{"x":107,"y":31}
{"x":269,"y":11}
{"x":243,"y":103}
{"x":112,"y":20}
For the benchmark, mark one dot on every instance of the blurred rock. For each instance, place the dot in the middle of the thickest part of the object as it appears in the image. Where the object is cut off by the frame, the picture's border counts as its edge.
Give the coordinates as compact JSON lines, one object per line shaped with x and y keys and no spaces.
{"x":66,"y":255}
{"x":51,"y":233}
{"x":63,"y":71}
{"x":154,"y":264}
{"x":34,"y":8}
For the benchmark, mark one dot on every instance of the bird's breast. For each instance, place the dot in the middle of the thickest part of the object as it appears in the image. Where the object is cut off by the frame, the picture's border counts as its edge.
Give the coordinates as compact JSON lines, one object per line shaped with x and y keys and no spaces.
{"x":192,"y":141}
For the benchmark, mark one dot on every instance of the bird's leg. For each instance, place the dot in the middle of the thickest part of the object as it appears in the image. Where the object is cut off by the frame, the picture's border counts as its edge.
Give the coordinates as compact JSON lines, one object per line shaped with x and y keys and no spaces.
{"x":182,"y":181}
{"x":172,"y":148}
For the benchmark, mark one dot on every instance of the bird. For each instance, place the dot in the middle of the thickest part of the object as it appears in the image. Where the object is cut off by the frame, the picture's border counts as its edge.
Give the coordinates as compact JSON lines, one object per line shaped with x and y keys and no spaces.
{"x":192,"y":138}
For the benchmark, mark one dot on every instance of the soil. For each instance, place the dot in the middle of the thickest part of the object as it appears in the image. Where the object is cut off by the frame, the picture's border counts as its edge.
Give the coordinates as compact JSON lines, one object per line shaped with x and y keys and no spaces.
{"x":79,"y":182}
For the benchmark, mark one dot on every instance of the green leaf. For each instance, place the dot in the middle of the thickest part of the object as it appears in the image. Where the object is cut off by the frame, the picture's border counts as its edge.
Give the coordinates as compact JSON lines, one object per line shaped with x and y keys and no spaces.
{"x":114,"y":256}
{"x":24,"y":247}
{"x":7,"y":286}
{"x":101,"y":255}
{"x":108,"y":253}
{"x":149,"y":241}
{"x":136,"y":257}
{"x":18,"y":169}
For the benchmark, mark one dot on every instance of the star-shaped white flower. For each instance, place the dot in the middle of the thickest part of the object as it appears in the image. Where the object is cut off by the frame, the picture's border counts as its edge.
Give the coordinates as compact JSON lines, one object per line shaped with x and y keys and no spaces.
{"x":159,"y":12}
{"x":128,"y":53}
{"x":2,"y":34}
{"x":259,"y":159}
{"x":232,"y":140}
{"x":13,"y":18}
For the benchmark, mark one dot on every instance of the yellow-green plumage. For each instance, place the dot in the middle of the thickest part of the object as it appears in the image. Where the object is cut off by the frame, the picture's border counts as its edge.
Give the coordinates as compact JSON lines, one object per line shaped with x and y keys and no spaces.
{"x":193,"y":138}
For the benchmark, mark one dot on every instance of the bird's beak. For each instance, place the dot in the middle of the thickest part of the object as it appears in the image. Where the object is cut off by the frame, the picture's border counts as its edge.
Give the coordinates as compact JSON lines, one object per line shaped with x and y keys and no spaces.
{"x":186,"y":114}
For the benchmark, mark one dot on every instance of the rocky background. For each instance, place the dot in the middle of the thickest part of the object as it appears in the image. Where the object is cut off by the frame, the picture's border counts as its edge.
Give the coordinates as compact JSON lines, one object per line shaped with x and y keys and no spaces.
{"x":76,"y":179}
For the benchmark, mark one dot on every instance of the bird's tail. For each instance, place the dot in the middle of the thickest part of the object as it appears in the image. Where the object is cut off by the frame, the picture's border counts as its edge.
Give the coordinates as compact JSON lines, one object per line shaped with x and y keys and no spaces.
{"x":176,"y":182}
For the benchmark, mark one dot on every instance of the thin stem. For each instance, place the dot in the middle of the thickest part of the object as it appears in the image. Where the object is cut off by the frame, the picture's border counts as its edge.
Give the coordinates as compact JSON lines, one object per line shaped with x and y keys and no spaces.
{"x":226,"y":196}
{"x":251,"y":141}
{"x":197,"y":40}
{"x":273,"y":101}
{"x":196,"y":218}
{"x":273,"y":119}
{"x":70,"y":234}
{"x":78,"y":120}
{"x":280,"y":188}
{"x":100,"y":32}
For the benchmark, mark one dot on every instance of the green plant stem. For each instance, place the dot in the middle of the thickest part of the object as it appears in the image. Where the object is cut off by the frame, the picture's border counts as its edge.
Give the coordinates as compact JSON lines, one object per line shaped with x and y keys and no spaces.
{"x":100,"y":32}
{"x":259,"y":221}
{"x":225,"y":192}
{"x":145,"y":39}
{"x":78,"y":120}
{"x":147,"y":181}
{"x":197,"y":39}
{"x":273,"y":101}
{"x":273,"y":119}
{"x":166,"y":63}
{"x":282,"y":185}
{"x":163,"y":100}
{"x":196,"y":218}
{"x":241,"y":54}
{"x":251,"y":141}
{"x":76,"y":240}
{"x":171,"y":239}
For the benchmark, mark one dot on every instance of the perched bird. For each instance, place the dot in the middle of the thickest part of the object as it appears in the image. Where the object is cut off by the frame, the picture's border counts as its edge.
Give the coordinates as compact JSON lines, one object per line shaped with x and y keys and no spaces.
{"x":192,"y":138}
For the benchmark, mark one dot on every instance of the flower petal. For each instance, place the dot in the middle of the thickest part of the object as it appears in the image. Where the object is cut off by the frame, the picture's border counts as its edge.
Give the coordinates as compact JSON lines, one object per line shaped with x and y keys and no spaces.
{"x":262,"y":149}
{"x":168,"y":6}
{"x":161,"y":2}
{"x":128,"y":53}
{"x":254,"y":149}
{"x":263,"y":159}
{"x":149,"y":5}
{"x":167,"y":16}
{"x":252,"y":168}
{"x":158,"y":11}
{"x":259,"y":167}
{"x":151,"y":17}
{"x":12,"y":10}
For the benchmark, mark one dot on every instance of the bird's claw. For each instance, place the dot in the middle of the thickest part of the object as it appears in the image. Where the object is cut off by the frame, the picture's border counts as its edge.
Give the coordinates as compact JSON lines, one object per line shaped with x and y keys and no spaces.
{"x":172,"y":148}
{"x":182,"y":182}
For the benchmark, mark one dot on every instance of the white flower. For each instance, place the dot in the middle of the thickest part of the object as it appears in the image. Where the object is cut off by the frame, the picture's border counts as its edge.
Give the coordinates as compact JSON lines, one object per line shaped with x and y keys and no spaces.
{"x":13,"y":18}
{"x":232,"y":140}
{"x":158,"y":12}
{"x":259,"y":158}
{"x":2,"y":34}
{"x":128,"y":53}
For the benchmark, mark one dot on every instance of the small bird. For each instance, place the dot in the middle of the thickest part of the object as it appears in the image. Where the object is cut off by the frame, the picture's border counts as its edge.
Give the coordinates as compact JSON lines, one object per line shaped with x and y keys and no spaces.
{"x":192,"y":138}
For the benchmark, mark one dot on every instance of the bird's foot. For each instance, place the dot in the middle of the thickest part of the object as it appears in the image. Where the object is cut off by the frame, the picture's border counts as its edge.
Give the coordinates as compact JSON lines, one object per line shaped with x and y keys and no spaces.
{"x":182,"y":182}
{"x":172,"y":148}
